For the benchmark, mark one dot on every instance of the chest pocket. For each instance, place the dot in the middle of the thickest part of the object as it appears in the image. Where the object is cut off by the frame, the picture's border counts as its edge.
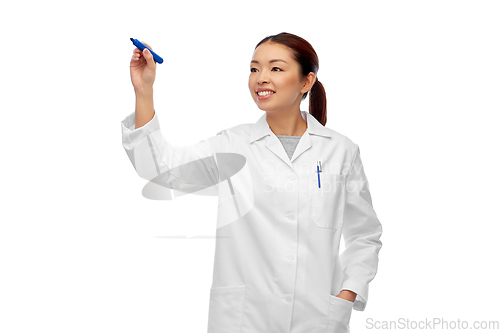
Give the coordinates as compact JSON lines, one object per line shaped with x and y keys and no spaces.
{"x":327,"y":202}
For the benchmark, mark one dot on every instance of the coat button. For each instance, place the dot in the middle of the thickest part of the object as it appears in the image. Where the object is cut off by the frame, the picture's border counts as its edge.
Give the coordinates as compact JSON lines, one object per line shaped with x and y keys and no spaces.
{"x":292,"y":177}
{"x":290,"y":257}
{"x":288,"y":298}
{"x":291,"y":216}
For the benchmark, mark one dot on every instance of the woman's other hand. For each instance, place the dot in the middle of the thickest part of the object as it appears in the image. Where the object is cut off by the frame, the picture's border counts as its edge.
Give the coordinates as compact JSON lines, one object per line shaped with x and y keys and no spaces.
{"x":142,"y":69}
{"x":347,"y":295}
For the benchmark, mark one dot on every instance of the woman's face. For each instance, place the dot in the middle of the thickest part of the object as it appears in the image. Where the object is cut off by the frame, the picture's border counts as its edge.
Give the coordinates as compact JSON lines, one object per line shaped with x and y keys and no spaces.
{"x":273,"y":69}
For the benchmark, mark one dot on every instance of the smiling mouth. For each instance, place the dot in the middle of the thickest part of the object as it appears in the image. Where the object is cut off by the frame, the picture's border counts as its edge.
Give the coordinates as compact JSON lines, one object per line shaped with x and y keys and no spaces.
{"x":265,"y":93}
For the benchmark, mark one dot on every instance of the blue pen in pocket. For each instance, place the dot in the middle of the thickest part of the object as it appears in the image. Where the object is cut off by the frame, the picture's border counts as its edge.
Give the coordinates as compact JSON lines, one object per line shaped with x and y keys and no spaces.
{"x":318,"y":167}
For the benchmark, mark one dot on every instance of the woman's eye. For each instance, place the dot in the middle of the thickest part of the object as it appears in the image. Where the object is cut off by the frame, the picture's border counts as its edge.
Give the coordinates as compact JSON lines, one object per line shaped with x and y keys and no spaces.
{"x":253,"y":69}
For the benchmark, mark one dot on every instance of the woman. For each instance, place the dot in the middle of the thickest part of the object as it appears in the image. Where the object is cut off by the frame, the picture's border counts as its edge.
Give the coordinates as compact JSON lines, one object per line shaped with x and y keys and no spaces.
{"x":277,"y":264}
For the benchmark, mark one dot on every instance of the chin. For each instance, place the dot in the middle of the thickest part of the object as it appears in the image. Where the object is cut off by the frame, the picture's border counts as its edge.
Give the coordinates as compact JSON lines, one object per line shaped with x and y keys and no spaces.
{"x":263,"y":108}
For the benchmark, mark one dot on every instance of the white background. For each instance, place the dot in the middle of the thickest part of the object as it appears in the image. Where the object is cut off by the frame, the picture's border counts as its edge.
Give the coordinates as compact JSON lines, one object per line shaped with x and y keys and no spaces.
{"x":414,"y":83}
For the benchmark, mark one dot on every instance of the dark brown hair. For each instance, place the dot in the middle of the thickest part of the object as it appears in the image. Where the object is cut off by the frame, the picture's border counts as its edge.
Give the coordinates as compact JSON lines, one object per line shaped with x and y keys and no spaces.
{"x":308,"y":61}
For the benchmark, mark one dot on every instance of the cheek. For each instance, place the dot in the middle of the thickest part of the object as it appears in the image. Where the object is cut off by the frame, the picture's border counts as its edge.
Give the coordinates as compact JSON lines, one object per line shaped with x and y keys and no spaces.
{"x":251,"y":82}
{"x":251,"y":88}
{"x":290,"y":83}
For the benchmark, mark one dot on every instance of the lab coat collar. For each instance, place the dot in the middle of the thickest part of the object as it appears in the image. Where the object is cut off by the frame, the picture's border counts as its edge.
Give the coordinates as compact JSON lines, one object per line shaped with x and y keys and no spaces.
{"x":261,"y":128}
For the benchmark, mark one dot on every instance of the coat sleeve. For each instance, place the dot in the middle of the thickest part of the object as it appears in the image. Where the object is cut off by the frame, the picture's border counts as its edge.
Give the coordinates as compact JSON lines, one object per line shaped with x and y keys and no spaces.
{"x":187,"y":168}
{"x":361,"y":232}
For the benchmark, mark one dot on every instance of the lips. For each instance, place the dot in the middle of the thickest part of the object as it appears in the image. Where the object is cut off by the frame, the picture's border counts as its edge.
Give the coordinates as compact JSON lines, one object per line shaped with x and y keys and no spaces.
{"x":264,"y":89}
{"x":265,"y":96}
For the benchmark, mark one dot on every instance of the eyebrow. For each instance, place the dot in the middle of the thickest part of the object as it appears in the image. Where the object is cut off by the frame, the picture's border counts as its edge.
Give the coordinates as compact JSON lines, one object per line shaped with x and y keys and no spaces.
{"x":270,"y":61}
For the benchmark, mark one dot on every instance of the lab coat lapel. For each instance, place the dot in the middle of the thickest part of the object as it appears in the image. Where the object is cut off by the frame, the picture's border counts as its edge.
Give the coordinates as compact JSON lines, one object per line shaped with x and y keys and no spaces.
{"x":304,"y":144}
{"x":314,"y":127}
{"x":261,"y":129}
{"x":274,"y":144}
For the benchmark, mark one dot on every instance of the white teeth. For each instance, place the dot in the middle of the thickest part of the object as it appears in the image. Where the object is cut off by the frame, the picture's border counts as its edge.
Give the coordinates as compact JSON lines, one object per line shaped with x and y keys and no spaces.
{"x":265,"y":93}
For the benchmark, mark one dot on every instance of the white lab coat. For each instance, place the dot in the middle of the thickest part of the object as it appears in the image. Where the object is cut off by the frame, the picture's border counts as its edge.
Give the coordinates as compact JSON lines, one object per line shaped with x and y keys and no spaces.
{"x":278,"y":265}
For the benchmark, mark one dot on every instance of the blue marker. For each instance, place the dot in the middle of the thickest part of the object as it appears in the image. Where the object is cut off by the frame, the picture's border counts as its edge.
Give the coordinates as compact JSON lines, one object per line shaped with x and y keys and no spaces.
{"x":141,"y":47}
{"x":319,"y":170}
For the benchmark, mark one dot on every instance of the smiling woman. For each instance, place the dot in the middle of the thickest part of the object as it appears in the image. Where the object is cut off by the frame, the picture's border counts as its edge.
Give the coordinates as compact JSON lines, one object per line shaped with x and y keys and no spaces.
{"x":291,"y":62}
{"x":298,"y":188}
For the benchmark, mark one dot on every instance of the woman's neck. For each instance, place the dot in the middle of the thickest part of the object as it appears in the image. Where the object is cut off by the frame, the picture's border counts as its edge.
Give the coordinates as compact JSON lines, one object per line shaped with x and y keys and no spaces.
{"x":284,"y":124}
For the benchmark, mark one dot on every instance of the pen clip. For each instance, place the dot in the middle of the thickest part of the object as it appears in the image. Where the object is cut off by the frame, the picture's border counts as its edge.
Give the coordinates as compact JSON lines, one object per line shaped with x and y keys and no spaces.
{"x":319,"y":167}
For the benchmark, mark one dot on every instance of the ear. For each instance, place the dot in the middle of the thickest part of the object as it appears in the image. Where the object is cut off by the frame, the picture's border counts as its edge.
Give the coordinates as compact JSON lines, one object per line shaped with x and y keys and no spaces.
{"x":308,"y":82}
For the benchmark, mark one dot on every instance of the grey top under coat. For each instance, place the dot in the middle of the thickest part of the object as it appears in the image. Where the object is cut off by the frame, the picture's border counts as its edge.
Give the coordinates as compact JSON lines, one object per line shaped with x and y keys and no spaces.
{"x":289,"y":143}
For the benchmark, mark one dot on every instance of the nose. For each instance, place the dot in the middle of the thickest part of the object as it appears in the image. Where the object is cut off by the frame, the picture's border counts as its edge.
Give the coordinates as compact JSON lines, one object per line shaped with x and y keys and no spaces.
{"x":262,"y":79}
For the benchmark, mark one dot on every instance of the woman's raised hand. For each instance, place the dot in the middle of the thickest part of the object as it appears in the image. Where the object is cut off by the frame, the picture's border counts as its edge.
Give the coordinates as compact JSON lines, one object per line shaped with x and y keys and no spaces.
{"x":142,"y":69}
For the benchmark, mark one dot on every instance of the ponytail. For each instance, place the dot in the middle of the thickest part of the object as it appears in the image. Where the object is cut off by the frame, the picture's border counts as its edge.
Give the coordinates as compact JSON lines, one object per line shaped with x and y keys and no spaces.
{"x":317,"y":102}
